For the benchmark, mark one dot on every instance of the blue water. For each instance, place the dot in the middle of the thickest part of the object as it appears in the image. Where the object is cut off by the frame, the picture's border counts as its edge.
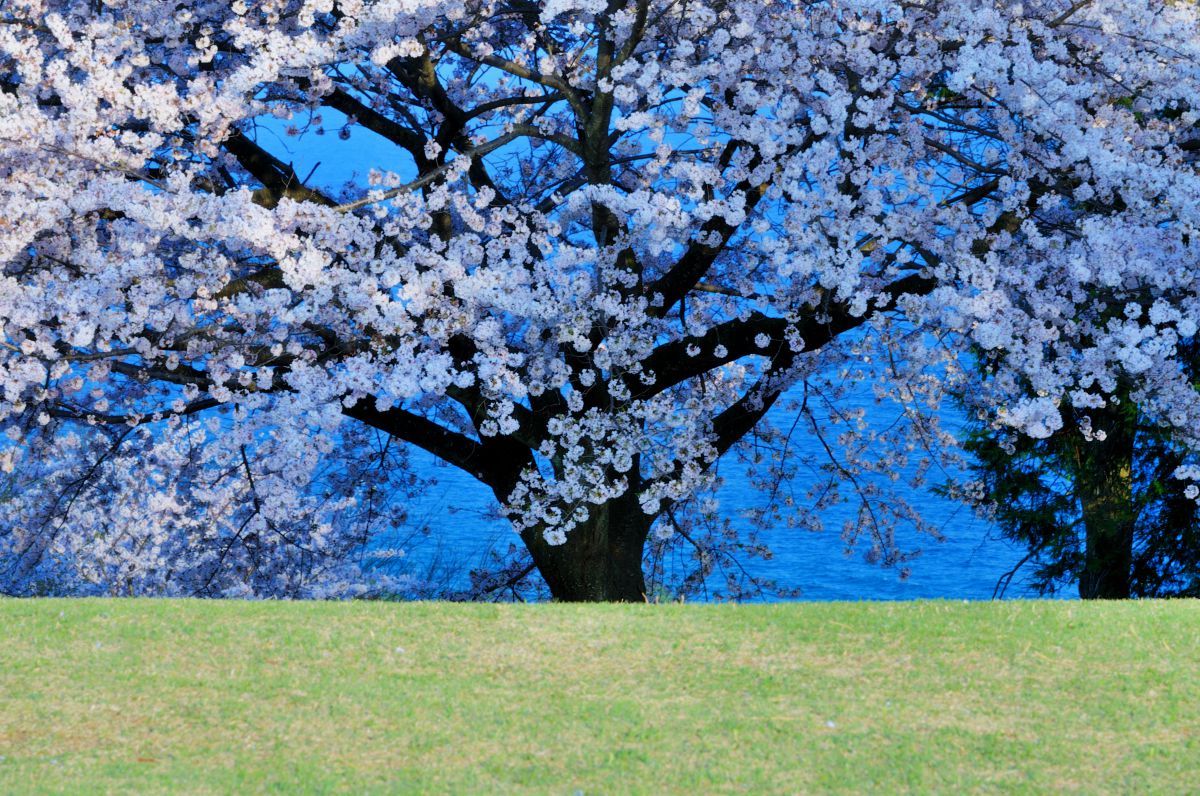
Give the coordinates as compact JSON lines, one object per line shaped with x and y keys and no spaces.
{"x":966,"y":563}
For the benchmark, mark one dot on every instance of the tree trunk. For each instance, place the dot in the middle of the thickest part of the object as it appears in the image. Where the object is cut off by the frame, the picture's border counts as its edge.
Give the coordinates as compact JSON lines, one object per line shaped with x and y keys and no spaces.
{"x":1105,"y":488}
{"x":601,"y":561}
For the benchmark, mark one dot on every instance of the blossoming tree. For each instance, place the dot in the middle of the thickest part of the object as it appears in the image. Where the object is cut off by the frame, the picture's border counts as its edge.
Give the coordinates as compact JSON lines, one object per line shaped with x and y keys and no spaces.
{"x":612,"y":233}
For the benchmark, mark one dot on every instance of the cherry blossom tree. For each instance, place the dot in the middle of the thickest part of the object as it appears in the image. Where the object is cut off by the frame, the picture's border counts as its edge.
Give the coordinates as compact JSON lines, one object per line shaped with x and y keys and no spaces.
{"x":611,"y":235}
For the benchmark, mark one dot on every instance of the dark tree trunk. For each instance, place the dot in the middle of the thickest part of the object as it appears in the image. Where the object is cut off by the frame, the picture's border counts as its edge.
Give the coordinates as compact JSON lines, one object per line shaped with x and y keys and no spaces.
{"x":1105,"y":488}
{"x":601,"y":561}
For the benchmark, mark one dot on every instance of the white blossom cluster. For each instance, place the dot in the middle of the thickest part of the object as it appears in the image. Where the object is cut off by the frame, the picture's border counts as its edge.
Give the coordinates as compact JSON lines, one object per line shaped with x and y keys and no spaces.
{"x":128,"y":512}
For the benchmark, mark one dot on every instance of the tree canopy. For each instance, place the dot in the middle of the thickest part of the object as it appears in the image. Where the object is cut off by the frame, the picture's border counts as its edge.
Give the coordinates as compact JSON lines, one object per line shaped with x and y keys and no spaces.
{"x":610,"y":235}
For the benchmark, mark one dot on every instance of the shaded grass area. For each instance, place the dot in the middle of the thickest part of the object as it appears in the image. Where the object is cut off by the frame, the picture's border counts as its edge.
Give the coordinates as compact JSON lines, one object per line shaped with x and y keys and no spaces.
{"x":219,"y":697}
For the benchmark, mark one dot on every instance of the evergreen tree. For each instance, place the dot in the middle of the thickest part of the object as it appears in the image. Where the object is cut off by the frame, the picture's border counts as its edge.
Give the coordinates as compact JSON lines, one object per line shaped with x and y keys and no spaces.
{"x":1095,"y":503}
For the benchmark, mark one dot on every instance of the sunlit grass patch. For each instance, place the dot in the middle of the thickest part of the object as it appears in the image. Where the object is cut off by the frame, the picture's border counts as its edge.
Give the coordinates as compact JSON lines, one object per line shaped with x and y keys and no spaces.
{"x":200,"y":697}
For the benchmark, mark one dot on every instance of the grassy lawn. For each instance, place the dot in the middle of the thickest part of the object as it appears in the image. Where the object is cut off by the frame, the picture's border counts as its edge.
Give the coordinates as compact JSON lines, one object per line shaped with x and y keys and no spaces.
{"x":211,"y":697}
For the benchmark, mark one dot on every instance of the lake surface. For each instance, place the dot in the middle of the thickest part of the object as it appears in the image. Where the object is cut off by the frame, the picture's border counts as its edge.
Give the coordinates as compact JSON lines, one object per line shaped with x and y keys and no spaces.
{"x":965,"y":564}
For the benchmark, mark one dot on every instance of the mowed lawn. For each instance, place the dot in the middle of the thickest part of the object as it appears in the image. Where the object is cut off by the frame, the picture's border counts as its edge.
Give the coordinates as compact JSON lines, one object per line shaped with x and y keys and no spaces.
{"x":226,"y":697}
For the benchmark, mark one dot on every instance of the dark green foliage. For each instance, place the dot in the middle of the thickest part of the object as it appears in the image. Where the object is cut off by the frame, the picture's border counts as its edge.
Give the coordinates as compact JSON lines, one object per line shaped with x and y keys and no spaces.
{"x":1106,"y":514}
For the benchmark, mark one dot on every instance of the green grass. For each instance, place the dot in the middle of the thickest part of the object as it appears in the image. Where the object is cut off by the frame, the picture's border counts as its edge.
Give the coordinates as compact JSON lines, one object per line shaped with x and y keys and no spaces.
{"x":212,"y":697}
